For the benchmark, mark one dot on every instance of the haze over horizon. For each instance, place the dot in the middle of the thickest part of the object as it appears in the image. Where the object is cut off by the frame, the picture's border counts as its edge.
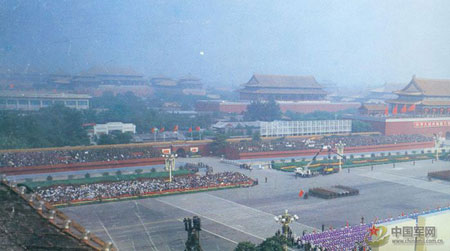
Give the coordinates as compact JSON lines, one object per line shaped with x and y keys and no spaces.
{"x":224,"y":42}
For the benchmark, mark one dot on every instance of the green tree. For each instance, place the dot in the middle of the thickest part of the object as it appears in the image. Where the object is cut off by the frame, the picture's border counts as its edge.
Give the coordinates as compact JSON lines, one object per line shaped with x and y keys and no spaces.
{"x":274,"y":243}
{"x":114,"y":138}
{"x":123,"y":138}
{"x":106,"y":139}
{"x":219,"y":144}
{"x":264,"y":111}
{"x":360,"y":126}
{"x":49,"y":127}
{"x":256,"y":137}
{"x":245,"y":246}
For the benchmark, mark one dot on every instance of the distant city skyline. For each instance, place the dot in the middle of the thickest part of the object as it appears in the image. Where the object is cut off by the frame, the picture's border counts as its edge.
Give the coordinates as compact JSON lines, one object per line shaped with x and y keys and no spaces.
{"x":351,"y":42}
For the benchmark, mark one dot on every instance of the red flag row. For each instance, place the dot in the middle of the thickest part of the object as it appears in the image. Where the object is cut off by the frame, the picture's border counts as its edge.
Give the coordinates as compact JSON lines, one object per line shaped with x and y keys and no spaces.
{"x":175,"y":129}
{"x":404,"y":109}
{"x":196,"y":128}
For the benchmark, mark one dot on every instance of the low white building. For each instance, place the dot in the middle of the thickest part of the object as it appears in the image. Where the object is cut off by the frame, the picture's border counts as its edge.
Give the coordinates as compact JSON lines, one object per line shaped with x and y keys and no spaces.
{"x":31,"y":101}
{"x":312,"y":127}
{"x":114,"y":126}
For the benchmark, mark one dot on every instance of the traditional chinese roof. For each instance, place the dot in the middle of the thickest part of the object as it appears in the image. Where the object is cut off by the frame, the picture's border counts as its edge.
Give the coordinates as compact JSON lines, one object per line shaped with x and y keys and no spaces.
{"x":373,"y":107}
{"x":402,"y":101}
{"x":426,"y":87}
{"x":165,"y":82}
{"x":388,"y":88}
{"x":285,"y":91}
{"x":111,"y":71}
{"x":430,"y":102}
{"x":277,"y":81}
{"x":188,"y":77}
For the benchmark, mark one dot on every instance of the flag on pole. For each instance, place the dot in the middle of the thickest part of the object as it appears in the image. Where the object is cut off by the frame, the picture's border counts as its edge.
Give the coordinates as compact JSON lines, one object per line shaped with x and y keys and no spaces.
{"x":162,"y":129}
{"x":300,"y":194}
{"x":395,"y":110}
{"x":386,"y":111}
{"x":197,"y":128}
{"x":404,"y":109}
{"x":190,"y":129}
{"x":412,"y":108}
{"x":153,"y":129}
{"x":175,"y":128}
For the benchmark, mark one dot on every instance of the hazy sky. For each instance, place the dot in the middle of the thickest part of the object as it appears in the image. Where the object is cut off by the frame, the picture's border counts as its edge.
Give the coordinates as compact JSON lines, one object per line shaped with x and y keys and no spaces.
{"x":225,"y":42}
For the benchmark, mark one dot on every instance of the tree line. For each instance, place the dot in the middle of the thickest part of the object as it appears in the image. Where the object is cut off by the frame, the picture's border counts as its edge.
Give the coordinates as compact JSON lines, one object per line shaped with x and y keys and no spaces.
{"x":58,"y":126}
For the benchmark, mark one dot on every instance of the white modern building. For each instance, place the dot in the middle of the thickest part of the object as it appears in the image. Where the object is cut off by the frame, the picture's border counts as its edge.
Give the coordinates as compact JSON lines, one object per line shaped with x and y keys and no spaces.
{"x":12,"y":100}
{"x":114,"y":126}
{"x":297,"y":128}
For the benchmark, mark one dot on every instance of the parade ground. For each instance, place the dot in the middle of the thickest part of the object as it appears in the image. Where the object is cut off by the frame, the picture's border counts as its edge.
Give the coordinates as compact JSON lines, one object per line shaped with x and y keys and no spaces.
{"x":247,"y":214}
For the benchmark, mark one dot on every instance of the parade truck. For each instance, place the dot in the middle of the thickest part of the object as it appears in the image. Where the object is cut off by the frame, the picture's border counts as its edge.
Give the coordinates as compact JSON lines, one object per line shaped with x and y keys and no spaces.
{"x":329,"y":170}
{"x":305,"y":172}
{"x":246,"y":166}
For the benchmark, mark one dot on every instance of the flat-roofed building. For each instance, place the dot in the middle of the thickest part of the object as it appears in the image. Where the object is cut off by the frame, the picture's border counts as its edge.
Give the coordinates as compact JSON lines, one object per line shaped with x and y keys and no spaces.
{"x":298,"y":128}
{"x":114,"y":126}
{"x":372,"y":109}
{"x":15,"y":100}
{"x":280,"y":87}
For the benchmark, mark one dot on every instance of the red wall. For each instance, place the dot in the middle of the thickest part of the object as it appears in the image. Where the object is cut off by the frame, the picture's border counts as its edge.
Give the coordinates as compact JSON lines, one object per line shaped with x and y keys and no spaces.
{"x":233,"y":108}
{"x":301,"y":107}
{"x":82,"y":166}
{"x":393,"y":128}
{"x":311,"y":107}
{"x":203,"y":148}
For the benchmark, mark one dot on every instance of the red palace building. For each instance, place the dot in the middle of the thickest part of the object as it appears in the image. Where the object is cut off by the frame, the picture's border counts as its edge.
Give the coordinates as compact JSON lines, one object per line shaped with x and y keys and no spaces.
{"x":427,"y":97}
{"x":280,"y":87}
{"x":422,"y":107}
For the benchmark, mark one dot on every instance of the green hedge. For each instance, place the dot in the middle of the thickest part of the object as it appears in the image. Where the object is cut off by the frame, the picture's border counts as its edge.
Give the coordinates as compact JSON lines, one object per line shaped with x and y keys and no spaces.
{"x":110,"y":178}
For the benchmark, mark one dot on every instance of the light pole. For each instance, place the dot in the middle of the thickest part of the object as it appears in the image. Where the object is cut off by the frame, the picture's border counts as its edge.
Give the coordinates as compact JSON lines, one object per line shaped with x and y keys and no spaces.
{"x":169,"y":162}
{"x":286,"y":219}
{"x":437,"y":145}
{"x":193,"y":228}
{"x":340,"y":150}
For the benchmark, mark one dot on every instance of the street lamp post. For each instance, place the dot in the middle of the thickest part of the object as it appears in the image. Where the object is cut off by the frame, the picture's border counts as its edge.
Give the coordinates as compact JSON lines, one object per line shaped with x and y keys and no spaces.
{"x":437,"y":145}
{"x":286,"y":219}
{"x":193,"y":228}
{"x":169,"y":162}
{"x":340,"y":150}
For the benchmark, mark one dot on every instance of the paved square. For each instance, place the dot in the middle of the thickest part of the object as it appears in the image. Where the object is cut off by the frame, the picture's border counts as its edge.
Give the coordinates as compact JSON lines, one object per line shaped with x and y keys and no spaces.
{"x":231,"y":216}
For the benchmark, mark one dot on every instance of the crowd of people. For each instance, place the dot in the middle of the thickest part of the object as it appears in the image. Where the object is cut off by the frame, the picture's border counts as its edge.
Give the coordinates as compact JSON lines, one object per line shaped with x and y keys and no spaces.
{"x":68,"y":156}
{"x":304,"y":144}
{"x":97,"y":191}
